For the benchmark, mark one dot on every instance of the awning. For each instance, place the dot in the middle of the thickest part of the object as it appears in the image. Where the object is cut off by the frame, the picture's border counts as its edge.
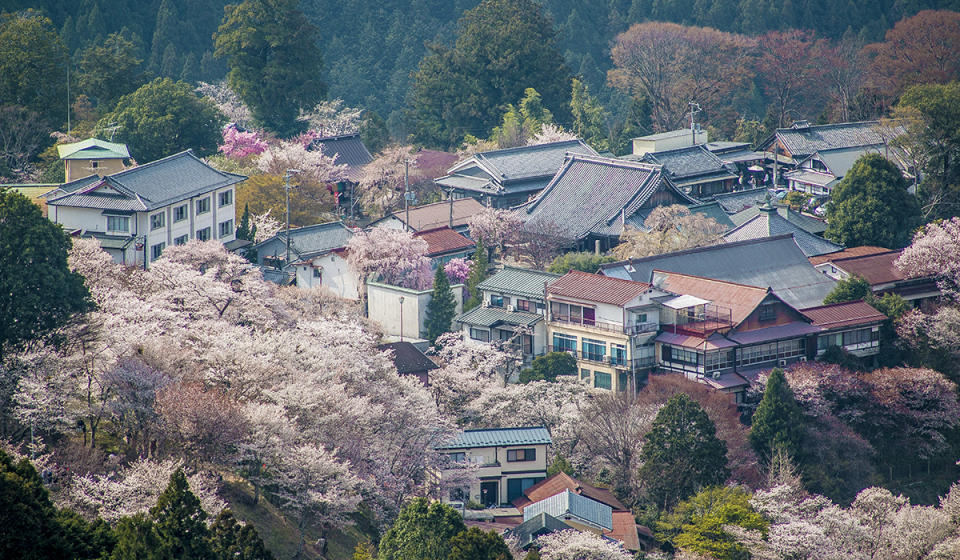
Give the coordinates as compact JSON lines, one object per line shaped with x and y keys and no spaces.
{"x":770,"y":334}
{"x":756,"y":168}
{"x":713,"y":342}
{"x":684,"y":301}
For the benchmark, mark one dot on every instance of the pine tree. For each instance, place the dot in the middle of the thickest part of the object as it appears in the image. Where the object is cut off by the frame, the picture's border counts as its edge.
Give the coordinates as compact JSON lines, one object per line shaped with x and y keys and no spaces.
{"x":180,"y":522}
{"x":681,"y":454}
{"x":478,"y":273}
{"x":136,"y":539}
{"x":442,"y":307}
{"x":778,"y":421}
{"x":243,"y":228}
{"x":230,"y":540}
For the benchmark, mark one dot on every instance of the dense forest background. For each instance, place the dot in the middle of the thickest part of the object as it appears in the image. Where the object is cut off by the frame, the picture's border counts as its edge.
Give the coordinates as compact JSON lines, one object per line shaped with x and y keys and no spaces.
{"x":370,"y":48}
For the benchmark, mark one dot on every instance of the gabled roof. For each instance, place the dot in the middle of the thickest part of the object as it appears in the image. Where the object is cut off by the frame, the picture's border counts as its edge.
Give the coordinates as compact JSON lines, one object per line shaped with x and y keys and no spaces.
{"x":153,"y":185}
{"x":714,"y":211}
{"x":738,"y":201}
{"x":408,"y":358}
{"x":860,"y":251}
{"x":93,"y":148}
{"x":346,"y":149}
{"x":495,"y":316}
{"x":801,"y":140}
{"x":592,"y":195}
{"x":807,"y":223}
{"x":740,"y":299}
{"x":690,"y":165}
{"x":521,"y":281}
{"x":307,"y":242}
{"x":775,"y":262}
{"x":499,"y":437}
{"x":846,"y":314}
{"x":519,"y":169}
{"x":768,"y":222}
{"x":561,"y":481}
{"x":567,"y":504}
{"x":597,"y":288}
{"x":528,"y":531}
{"x":437,"y":214}
{"x":443,"y":240}
{"x":878,"y":268}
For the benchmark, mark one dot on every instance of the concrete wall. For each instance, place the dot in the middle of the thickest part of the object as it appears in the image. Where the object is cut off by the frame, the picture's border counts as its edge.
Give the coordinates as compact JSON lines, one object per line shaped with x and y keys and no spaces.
{"x":335,"y":275}
{"x":682,"y":138}
{"x":80,"y":168}
{"x":383,"y":306}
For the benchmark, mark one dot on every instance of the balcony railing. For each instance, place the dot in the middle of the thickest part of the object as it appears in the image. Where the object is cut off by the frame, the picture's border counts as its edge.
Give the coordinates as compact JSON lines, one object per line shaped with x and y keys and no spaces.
{"x":619,"y":328}
{"x":641,"y":328}
{"x":619,"y":363}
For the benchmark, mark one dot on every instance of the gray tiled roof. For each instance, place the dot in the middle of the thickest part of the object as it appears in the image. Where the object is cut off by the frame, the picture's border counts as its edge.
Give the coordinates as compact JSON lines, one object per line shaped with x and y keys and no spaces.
{"x":803,"y":141}
{"x":811,"y":177}
{"x":774,"y":262}
{"x":713,"y":210}
{"x":102,"y":201}
{"x":305,"y":242}
{"x":808,"y":223}
{"x":684,"y":164}
{"x":494,"y":437}
{"x":591,"y":194}
{"x":163,"y":181}
{"x":494,"y":316}
{"x":567,"y":503}
{"x":738,"y":201}
{"x":347,"y":149}
{"x":540,"y":524}
{"x":520,"y":169}
{"x":767,"y":223}
{"x":521,"y":281}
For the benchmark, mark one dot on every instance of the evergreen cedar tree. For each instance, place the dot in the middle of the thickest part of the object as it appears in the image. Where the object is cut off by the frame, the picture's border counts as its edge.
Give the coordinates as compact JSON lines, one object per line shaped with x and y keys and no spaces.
{"x":474,"y":544}
{"x":549,"y":366}
{"x":696,"y":525}
{"x":38,"y":292}
{"x":849,"y":289}
{"x":778,"y":421}
{"x":478,"y":273}
{"x":110,"y":70}
{"x":442,"y":306}
{"x":871,"y":206}
{"x":32,"y":55}
{"x":503,"y":47}
{"x":681,"y":453}
{"x":422,"y":531}
{"x":584,"y":261}
{"x":275,"y":65}
{"x":164,"y":117}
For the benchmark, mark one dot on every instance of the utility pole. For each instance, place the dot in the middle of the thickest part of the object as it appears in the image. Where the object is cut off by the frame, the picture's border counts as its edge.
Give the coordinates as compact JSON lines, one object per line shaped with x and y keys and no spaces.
{"x":406,"y":191}
{"x":451,"y":208}
{"x":286,"y":187}
{"x":68,"y":96}
{"x":694,"y":109}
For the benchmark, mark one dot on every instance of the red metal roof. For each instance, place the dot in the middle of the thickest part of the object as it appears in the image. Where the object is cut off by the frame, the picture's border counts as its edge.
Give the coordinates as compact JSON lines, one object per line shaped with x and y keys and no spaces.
{"x":861,"y":251}
{"x":740,"y":299}
{"x":437,"y":214}
{"x":624,"y":530}
{"x":562,"y":481}
{"x":876,"y":269}
{"x":443,"y":240}
{"x":844,"y":314}
{"x":597,"y":288}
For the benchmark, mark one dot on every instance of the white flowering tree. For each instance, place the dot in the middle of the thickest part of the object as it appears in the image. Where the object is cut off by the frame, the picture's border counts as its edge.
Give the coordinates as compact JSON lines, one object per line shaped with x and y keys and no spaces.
{"x":497,"y":227}
{"x":313,"y":165}
{"x":579,"y":545}
{"x":396,"y":256}
{"x":382,"y":183}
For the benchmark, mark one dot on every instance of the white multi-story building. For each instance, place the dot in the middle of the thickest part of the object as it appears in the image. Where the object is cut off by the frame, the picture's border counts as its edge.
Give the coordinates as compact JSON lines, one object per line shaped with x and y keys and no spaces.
{"x":138,"y":212}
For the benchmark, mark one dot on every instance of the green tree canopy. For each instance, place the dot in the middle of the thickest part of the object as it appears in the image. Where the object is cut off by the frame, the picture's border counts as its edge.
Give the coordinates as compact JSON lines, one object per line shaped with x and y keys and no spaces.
{"x":697,"y":525}
{"x":478,"y":273}
{"x":503,"y":48}
{"x":442,"y":307}
{"x":33,"y":65}
{"x":38,"y":292}
{"x":474,"y":544}
{"x":871,"y":206}
{"x":180,"y":522}
{"x":778,"y":421}
{"x":275,"y":64}
{"x":849,"y":289}
{"x":164,"y":117}
{"x":584,"y":261}
{"x":229,"y":540}
{"x":110,"y":70}
{"x":422,"y":531}
{"x":681,"y":453}
{"x":549,"y":366}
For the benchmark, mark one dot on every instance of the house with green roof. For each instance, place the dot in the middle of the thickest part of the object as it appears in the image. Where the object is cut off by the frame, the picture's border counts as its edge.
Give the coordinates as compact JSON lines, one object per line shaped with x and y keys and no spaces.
{"x":92,"y":157}
{"x":513,"y":310}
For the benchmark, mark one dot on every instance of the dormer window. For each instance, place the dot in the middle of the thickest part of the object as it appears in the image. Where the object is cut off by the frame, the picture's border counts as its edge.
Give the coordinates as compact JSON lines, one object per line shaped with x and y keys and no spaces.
{"x":768,"y":312}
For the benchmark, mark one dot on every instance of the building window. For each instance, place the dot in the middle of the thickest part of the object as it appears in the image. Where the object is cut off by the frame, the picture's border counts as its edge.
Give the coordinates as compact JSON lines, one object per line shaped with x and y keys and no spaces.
{"x":584,"y":374}
{"x":680,"y":355}
{"x":226,"y":198}
{"x":860,"y":336}
{"x":756,"y":354}
{"x":479,"y":334}
{"x":94,"y":164}
{"x":118,"y":224}
{"x":182,"y":240}
{"x":602,"y":380}
{"x":156,"y":250}
{"x":523,"y":305}
{"x":516,"y":486}
{"x":317,"y":273}
{"x":521,"y":455}
{"x":720,"y":360}
{"x":768,"y":312}
{"x":573,"y":313}
{"x":498,"y":300}
{"x":459,"y":457}
{"x":156,"y":221}
{"x":180,"y":213}
{"x":226,"y":228}
{"x":791,"y":348}
{"x":203,"y":234}
{"x":203,"y":205}
{"x":564,"y":343}
{"x":618,"y":354}
{"x":594,"y":350}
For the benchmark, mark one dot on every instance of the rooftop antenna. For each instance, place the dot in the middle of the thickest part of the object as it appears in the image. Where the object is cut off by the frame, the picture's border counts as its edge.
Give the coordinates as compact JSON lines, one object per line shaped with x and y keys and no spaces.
{"x":286,"y":187}
{"x":694,"y":109}
{"x":112,"y":127}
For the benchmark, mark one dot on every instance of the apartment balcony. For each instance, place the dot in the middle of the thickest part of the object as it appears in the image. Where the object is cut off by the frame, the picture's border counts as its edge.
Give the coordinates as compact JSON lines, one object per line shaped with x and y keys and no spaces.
{"x":631,"y":365}
{"x":641,"y":328}
{"x":605,"y":326}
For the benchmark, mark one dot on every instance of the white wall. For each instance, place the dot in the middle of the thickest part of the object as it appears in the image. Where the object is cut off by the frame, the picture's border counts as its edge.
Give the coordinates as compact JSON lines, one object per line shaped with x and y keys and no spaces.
{"x":383,"y":306}
{"x":336,"y":276}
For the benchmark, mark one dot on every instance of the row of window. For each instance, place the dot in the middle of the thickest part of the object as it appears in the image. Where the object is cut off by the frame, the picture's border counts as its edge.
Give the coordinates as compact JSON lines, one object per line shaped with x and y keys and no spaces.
{"x":498,"y":300}
{"x":744,"y":356}
{"x":513,"y":456}
{"x":603,"y":380}
{"x":158,"y":220}
{"x":203,"y":234}
{"x":848,"y":338}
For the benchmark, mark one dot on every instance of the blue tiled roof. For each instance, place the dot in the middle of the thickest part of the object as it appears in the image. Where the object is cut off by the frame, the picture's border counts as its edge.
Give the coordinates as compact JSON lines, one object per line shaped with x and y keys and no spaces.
{"x":494,"y":437}
{"x":567,"y":504}
{"x":521,"y":281}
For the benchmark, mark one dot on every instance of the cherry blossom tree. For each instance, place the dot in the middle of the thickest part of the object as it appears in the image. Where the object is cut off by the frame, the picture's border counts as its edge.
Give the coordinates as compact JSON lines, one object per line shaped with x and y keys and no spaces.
{"x":579,"y":545}
{"x":667,"y":229}
{"x":549,"y":133}
{"x":313,"y":165}
{"x":264,"y":226}
{"x":240,"y":145}
{"x":228,"y":102}
{"x":458,"y":270}
{"x":935,"y":252}
{"x":396,"y":256}
{"x":205,"y":423}
{"x":332,"y":118}
{"x":384,"y":179}
{"x":497,"y":227}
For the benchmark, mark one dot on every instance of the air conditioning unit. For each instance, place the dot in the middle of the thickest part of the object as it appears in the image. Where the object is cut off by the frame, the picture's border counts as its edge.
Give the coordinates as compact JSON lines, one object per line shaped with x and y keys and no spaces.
{"x":716,"y":375}
{"x":782,"y":363}
{"x":510,"y":308}
{"x":803,"y":358}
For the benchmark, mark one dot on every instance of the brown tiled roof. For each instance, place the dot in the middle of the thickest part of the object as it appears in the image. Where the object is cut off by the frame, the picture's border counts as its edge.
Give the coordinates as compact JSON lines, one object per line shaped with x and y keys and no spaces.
{"x":876,"y":269}
{"x":436,"y":215}
{"x":443,"y":240}
{"x":624,"y":530}
{"x":861,"y":251}
{"x":598,"y":288}
{"x":562,"y":481}
{"x":844,"y":314}
{"x":739,"y":298}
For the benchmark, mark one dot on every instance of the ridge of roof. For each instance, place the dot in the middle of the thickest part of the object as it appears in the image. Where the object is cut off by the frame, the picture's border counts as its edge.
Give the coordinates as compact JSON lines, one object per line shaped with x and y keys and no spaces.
{"x":861,"y":257}
{"x":65,"y":151}
{"x":708,"y":279}
{"x":693,"y":250}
